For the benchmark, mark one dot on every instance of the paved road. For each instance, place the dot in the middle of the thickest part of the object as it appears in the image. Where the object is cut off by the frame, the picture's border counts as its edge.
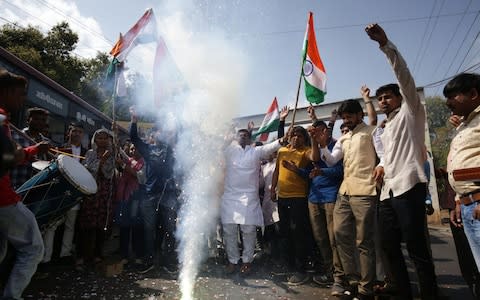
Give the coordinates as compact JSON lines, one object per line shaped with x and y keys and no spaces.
{"x":63,"y":283}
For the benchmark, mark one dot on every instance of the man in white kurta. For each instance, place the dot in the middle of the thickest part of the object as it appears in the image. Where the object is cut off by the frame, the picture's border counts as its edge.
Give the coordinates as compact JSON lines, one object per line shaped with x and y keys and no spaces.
{"x":240,"y":201}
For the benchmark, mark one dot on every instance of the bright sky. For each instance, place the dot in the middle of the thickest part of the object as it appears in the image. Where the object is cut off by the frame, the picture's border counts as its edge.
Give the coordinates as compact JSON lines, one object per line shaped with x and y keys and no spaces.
{"x":438,"y":38}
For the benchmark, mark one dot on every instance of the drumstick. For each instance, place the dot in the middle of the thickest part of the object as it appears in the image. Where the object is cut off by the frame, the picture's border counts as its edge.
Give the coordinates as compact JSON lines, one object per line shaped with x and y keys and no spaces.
{"x":50,"y":151}
{"x":66,"y":153}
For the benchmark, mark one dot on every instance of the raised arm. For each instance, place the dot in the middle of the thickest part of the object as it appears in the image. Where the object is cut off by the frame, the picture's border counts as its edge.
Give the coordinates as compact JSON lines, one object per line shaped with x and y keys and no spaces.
{"x":371,"y":113}
{"x":283,"y":116}
{"x":141,"y":146}
{"x":311,"y":113}
{"x":332,"y":120}
{"x":404,"y":77}
{"x":320,"y":137}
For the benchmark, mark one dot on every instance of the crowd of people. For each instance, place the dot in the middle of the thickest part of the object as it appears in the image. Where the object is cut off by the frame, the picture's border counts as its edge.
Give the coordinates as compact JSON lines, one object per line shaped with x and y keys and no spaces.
{"x":332,"y":209}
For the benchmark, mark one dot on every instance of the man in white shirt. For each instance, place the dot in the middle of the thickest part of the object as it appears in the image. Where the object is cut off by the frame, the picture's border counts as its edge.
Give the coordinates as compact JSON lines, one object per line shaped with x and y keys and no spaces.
{"x":463,"y":99}
{"x":240,"y":201}
{"x":354,"y":213}
{"x":402,"y":199}
{"x":74,"y":147}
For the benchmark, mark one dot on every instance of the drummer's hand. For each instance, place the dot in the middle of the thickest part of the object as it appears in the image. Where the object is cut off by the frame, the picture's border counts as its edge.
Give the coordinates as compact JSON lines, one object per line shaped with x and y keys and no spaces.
{"x":43,"y":147}
{"x":19,"y":154}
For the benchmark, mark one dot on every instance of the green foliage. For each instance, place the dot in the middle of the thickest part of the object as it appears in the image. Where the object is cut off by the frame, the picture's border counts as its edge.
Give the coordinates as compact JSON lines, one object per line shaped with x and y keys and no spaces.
{"x":52,"y":54}
{"x":441,"y":133}
{"x":440,"y":130}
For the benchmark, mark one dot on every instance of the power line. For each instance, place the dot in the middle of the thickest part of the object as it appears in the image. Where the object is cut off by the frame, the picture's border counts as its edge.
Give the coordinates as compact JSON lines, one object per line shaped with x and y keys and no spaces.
{"x":425,"y":34}
{"x":80,"y":42}
{"x":81,"y":24}
{"x":450,"y":41}
{"x":429,"y":39}
{"x":463,"y":41}
{"x":468,"y":52}
{"x":358,"y":25}
{"x":440,"y":82}
{"x":23,"y":27}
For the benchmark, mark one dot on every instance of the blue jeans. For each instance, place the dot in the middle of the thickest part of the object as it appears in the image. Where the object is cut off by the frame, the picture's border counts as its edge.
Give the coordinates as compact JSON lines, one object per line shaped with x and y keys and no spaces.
{"x":19,"y":227}
{"x":471,"y":227}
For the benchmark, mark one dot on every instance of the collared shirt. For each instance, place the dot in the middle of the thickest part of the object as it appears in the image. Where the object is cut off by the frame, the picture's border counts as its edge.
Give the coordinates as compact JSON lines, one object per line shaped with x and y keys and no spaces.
{"x":465,"y":153}
{"x":324,"y":188}
{"x":359,"y":160}
{"x":240,"y":200}
{"x":8,"y":196}
{"x":403,"y":138}
{"x":22,"y":172}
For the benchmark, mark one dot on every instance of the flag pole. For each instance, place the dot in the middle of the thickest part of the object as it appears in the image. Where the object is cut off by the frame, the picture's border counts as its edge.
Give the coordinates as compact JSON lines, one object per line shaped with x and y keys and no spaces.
{"x":301,"y":72}
{"x":298,"y":94}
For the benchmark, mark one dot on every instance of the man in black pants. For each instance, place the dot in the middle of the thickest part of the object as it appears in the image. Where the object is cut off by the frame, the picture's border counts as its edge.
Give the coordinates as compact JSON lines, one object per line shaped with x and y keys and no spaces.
{"x":402,"y":206}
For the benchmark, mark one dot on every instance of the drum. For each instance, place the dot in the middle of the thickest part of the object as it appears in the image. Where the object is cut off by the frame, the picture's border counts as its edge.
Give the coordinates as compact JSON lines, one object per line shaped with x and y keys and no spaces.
{"x":56,"y":189}
{"x":39,"y":165}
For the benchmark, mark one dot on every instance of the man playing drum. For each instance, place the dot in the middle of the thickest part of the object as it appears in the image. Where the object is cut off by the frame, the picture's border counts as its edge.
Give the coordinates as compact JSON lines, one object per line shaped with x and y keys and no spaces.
{"x":17,"y":223}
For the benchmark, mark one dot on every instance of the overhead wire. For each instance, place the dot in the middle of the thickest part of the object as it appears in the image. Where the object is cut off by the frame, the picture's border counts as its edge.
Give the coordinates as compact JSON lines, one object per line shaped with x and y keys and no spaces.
{"x":441,"y":81}
{"x":460,"y":47}
{"x":468,"y":52}
{"x":78,"y":22}
{"x":422,"y":41}
{"x":461,"y":44}
{"x":429,"y":38}
{"x":451,"y":40}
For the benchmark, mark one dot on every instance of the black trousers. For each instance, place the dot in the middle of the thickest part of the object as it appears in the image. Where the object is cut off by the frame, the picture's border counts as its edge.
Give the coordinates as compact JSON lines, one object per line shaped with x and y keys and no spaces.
{"x":402,"y":218}
{"x":294,"y":230}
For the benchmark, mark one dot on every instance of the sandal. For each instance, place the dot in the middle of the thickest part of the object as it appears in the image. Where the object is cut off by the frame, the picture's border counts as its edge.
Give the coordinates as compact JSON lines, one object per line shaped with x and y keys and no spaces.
{"x":385,"y":289}
{"x":246,"y":269}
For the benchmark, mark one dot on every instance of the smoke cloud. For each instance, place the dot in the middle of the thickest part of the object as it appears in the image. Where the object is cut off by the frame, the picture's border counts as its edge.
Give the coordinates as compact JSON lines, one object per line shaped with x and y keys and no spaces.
{"x":214,"y":71}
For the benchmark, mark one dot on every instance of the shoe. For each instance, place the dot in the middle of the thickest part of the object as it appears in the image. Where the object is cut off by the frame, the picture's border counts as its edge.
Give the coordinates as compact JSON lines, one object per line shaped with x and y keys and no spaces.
{"x":230,"y":268}
{"x":246,"y":269}
{"x":280,"y":270}
{"x":384,"y":289}
{"x":298,"y":278}
{"x":337,"y":289}
{"x":365,"y":297}
{"x":146,"y":268}
{"x":351,"y":291}
{"x":170,"y":269}
{"x":323,"y":280}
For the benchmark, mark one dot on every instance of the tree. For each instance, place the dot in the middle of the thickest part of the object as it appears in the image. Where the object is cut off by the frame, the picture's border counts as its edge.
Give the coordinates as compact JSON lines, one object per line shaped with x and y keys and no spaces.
{"x":441,"y":133}
{"x":92,"y":85}
{"x":52,"y":54}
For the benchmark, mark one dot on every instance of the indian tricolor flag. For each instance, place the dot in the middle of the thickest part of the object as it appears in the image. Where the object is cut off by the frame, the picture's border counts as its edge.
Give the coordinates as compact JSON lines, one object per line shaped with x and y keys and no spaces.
{"x":270,"y":122}
{"x":314,"y":73}
{"x":144,"y":31}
